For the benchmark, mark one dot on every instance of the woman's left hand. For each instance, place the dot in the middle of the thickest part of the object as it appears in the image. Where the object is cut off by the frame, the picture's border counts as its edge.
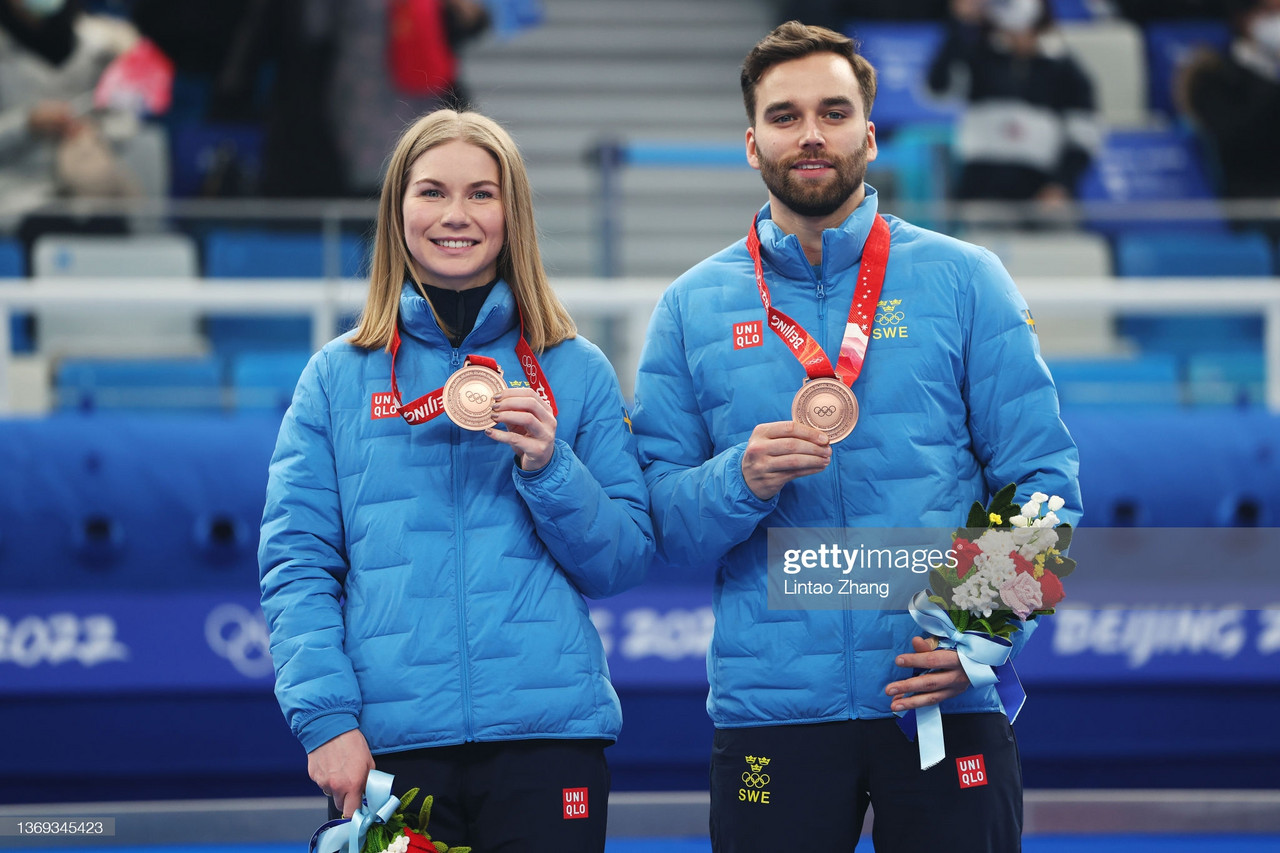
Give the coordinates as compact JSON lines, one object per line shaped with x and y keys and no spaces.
{"x":530,"y":426}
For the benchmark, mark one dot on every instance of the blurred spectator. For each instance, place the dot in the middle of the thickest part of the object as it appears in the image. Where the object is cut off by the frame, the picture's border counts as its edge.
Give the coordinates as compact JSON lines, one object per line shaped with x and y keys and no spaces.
{"x":317,"y":76}
{"x":1030,"y":128}
{"x":51,"y":141}
{"x":42,"y":27}
{"x":1234,"y":101}
{"x":836,"y":14}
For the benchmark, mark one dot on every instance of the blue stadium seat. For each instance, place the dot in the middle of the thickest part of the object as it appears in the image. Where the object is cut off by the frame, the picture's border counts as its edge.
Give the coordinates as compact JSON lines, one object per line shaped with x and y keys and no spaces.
{"x":901,"y":53}
{"x":1190,"y":253}
{"x":257,"y":253}
{"x":1227,"y":378}
{"x":154,"y":385}
{"x":1169,"y":45}
{"x":13,"y":264}
{"x":1142,"y":383}
{"x":1146,"y":166}
{"x":1180,"y":253}
{"x":265,"y":380}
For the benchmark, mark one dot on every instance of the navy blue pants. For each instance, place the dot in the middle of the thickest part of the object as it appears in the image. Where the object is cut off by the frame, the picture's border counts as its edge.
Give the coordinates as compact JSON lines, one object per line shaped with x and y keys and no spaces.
{"x":807,"y":787}
{"x":509,"y":796}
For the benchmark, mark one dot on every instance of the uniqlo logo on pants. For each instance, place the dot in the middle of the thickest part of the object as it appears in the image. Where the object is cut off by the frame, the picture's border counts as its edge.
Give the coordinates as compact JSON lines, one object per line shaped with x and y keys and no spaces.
{"x":575,"y":803}
{"x":972,"y":770}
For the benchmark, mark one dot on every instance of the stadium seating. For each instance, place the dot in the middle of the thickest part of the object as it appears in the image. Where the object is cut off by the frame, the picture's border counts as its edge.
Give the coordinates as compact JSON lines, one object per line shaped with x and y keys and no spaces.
{"x":1147,"y":168}
{"x":125,"y":332}
{"x":1144,"y":382}
{"x":901,"y":53}
{"x":158,"y":385}
{"x":1190,"y":253}
{"x":260,"y":253}
{"x":1111,"y":52}
{"x":13,"y":264}
{"x":1169,"y":44}
{"x":265,"y":380}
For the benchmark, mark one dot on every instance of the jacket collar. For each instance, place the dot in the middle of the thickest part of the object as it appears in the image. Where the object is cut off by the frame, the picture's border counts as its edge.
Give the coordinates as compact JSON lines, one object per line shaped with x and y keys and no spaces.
{"x":841,"y":246}
{"x":497,"y":317}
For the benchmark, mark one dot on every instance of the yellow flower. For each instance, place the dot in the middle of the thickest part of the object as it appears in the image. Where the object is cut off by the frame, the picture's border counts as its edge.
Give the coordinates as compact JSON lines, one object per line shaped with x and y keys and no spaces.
{"x":995,"y":519}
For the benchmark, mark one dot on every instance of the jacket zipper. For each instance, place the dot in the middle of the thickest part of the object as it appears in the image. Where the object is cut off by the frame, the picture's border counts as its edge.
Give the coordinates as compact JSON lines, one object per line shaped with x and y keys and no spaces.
{"x":839,"y":494}
{"x":459,"y":537}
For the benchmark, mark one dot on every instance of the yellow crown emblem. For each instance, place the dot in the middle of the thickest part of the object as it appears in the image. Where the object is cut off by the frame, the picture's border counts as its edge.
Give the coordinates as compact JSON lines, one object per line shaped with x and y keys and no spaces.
{"x":757,"y":764}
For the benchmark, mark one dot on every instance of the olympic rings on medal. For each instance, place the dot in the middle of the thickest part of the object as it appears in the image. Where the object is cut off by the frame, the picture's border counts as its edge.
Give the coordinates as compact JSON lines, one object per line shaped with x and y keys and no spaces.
{"x":824,"y":411}
{"x":476,"y":397}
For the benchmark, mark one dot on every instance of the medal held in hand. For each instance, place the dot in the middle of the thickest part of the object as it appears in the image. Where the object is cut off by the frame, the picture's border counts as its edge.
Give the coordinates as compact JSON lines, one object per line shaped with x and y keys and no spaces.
{"x":826,"y":404}
{"x":826,"y":400}
{"x":468,"y":394}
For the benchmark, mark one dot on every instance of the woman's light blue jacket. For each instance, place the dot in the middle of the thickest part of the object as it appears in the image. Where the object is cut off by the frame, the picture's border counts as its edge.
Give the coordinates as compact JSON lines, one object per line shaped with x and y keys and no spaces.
{"x":416,"y":583}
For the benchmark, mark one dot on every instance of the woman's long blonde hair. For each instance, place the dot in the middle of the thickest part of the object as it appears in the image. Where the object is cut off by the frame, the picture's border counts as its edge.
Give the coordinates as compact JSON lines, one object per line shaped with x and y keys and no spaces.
{"x":546,"y":322}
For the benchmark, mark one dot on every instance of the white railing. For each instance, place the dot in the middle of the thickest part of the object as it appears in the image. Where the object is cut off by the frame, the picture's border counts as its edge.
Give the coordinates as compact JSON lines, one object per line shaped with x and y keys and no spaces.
{"x":623,"y":304}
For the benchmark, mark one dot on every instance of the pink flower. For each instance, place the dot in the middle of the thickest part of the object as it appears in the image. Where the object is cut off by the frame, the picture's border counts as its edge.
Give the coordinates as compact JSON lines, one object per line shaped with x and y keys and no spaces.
{"x":1022,"y":595}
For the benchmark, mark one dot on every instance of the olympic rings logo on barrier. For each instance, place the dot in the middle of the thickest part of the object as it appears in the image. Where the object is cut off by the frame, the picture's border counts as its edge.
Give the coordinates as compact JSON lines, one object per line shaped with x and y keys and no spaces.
{"x":824,"y":411}
{"x":240,"y":636}
{"x":755,"y":780}
{"x":476,"y":397}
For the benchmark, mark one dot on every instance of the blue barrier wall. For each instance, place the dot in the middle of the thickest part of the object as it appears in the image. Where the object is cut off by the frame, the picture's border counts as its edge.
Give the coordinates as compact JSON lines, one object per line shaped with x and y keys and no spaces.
{"x":134,"y":664}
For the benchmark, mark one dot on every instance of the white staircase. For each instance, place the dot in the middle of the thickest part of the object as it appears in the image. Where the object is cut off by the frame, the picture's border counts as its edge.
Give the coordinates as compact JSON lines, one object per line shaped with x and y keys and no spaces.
{"x":642,"y":70}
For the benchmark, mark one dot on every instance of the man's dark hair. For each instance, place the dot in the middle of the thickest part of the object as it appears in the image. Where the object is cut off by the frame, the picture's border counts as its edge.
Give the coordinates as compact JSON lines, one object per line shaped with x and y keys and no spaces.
{"x":794,"y":40}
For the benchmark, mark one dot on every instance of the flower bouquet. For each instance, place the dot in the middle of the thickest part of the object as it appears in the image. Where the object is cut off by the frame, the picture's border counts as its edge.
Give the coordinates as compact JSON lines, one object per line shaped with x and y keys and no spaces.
{"x":1006,"y":568}
{"x":382,"y":822}
{"x":1009,"y":565}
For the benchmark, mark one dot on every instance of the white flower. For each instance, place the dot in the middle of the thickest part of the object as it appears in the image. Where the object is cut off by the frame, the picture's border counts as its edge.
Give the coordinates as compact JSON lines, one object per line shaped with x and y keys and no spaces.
{"x":1056,"y":503}
{"x":400,"y":845}
{"x":1031,"y":509}
{"x":1039,"y":497}
{"x":1019,"y":520}
{"x":1049,"y":520}
{"x":996,"y":541}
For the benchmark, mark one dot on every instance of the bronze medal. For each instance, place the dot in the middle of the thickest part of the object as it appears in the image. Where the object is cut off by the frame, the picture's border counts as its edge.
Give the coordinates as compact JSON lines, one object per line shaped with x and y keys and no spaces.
{"x":827,"y":404}
{"x":468,"y":396}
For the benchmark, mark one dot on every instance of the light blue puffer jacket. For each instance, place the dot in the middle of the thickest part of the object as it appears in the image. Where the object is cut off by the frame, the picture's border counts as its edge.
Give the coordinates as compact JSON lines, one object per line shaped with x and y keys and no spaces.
{"x":955,"y":403}
{"x":420,"y":586}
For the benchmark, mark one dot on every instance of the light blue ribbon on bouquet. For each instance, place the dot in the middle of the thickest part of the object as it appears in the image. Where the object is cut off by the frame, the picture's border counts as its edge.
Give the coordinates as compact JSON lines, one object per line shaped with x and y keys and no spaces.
{"x":985,"y":661}
{"x":378,"y":807}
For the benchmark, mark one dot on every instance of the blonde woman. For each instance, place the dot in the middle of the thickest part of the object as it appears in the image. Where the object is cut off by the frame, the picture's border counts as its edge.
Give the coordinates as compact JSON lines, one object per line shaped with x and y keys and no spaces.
{"x":452,"y":478}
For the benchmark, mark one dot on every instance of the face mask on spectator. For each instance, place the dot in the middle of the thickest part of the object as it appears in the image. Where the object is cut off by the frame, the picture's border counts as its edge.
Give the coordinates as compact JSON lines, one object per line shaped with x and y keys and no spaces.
{"x":1014,"y":15}
{"x":1266,"y":32}
{"x":43,"y":8}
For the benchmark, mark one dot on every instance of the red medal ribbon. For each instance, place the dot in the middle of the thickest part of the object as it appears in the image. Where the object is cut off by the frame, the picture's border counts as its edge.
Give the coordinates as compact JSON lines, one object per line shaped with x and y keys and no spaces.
{"x":431,"y":405}
{"x":862,"y":312}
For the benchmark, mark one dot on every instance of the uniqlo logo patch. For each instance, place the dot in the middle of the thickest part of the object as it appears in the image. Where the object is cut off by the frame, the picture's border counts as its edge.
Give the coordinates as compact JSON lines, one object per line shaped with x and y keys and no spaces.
{"x":972,"y":771}
{"x":575,"y":803}
{"x":747,"y":334}
{"x":384,"y":406}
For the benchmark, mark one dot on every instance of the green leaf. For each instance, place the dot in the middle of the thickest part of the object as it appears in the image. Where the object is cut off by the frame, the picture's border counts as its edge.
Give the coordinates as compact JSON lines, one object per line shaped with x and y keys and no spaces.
{"x":440,"y":846}
{"x":937,"y":599}
{"x":408,"y":797}
{"x":1062,"y":569}
{"x":1004,"y":497}
{"x":459,"y":850}
{"x":938,"y":586}
{"x":977,"y":516}
{"x":986,"y":626}
{"x":1065,"y":533}
{"x":424,"y":814}
{"x":960,"y":618}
